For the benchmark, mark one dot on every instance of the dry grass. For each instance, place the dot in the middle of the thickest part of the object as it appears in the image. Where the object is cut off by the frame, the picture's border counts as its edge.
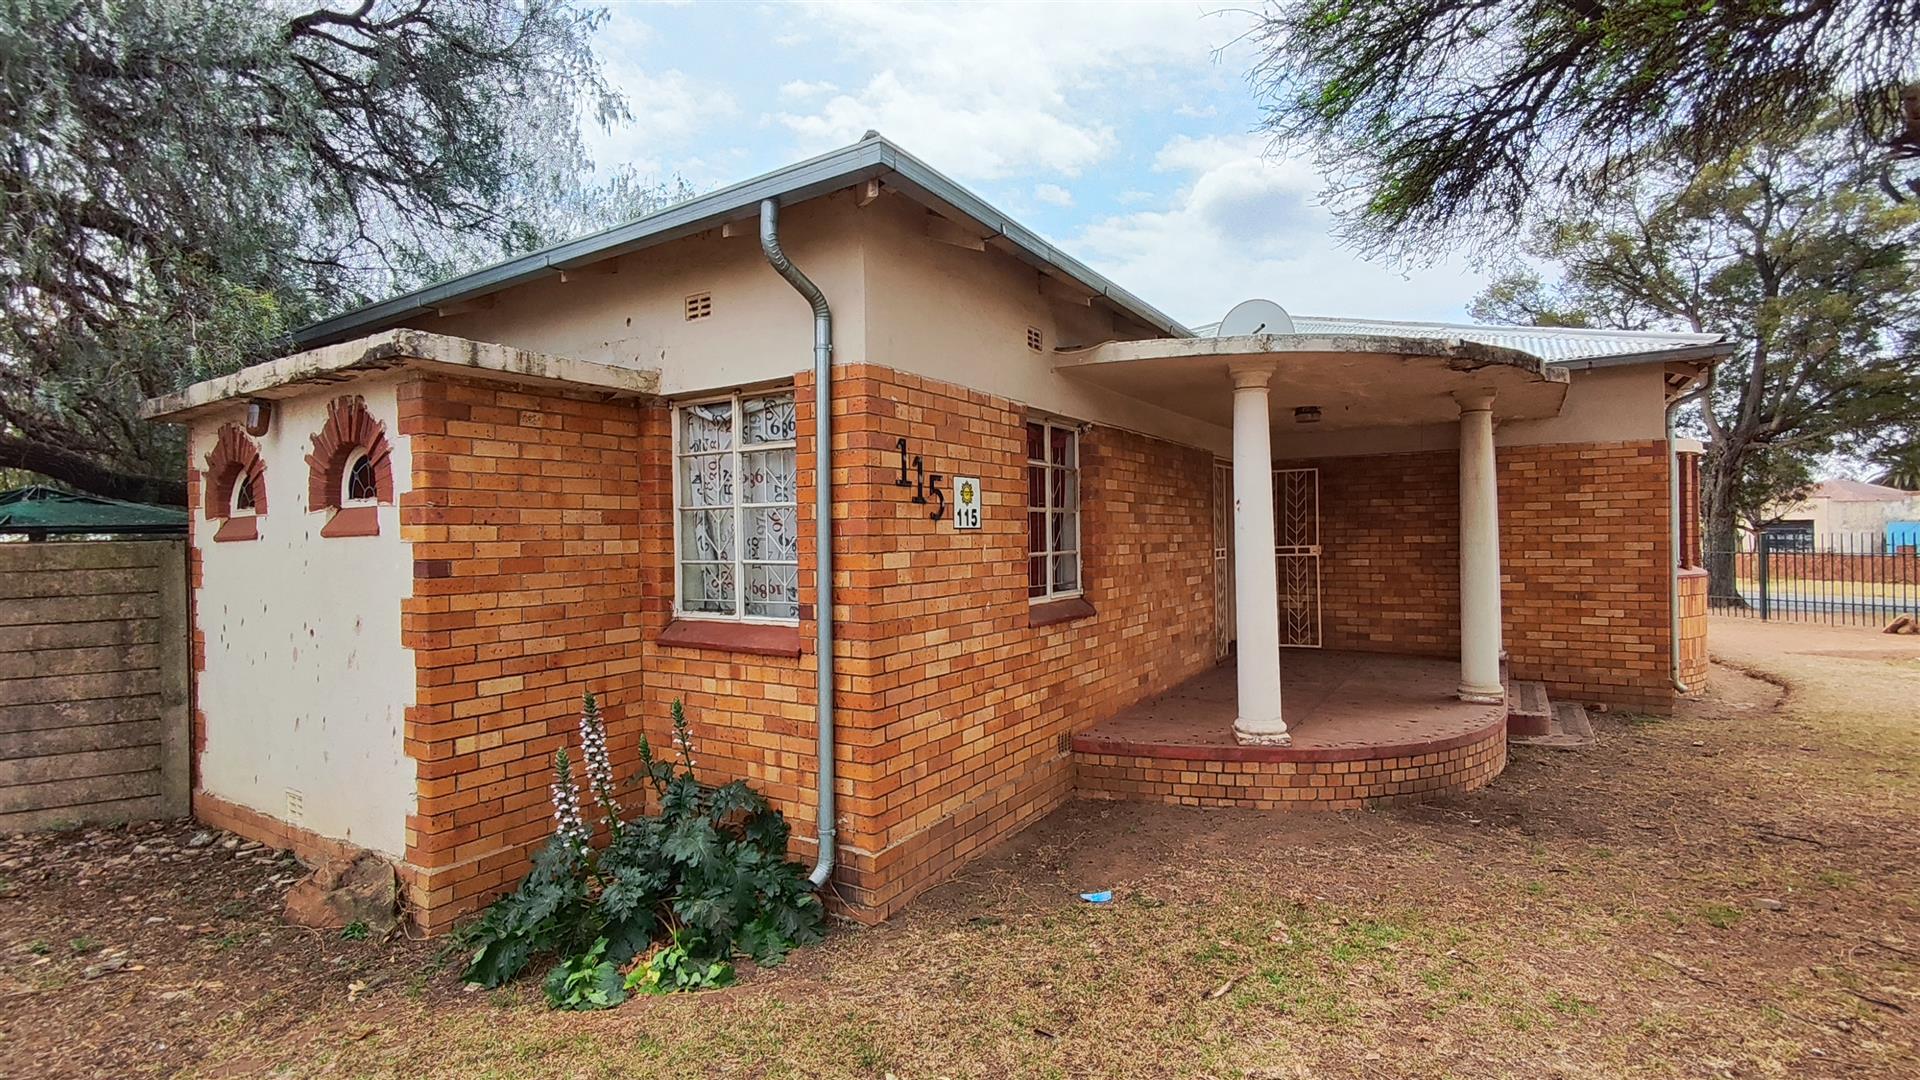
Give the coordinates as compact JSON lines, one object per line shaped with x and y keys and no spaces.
{"x":1594,"y":913}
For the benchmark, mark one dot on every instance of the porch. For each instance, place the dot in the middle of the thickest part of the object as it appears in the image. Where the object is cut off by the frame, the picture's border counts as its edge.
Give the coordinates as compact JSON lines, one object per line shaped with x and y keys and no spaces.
{"x":1260,"y":383}
{"x":1365,"y":727}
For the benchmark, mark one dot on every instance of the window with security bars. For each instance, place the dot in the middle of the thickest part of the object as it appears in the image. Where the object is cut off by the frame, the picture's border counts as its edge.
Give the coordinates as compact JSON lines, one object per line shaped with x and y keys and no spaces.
{"x":735,"y":483}
{"x":1053,"y":511}
{"x":360,"y":486}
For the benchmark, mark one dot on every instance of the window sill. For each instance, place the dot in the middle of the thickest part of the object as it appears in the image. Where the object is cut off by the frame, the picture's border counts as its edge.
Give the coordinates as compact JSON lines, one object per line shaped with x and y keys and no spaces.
{"x":353,"y":521}
{"x":237,"y":528}
{"x":1054,"y":612}
{"x":759,"y":639}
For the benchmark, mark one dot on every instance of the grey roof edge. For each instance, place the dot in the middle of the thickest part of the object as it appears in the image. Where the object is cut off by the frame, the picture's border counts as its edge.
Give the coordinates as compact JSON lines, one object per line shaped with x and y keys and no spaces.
{"x":867,"y":159}
{"x":1706,"y":351}
{"x":1568,"y":331}
{"x":1674,"y":346}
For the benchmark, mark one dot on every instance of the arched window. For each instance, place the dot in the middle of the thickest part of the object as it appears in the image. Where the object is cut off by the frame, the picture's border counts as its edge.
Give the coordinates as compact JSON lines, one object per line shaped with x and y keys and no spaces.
{"x":362,"y":489}
{"x":348,"y":471}
{"x":236,"y":485}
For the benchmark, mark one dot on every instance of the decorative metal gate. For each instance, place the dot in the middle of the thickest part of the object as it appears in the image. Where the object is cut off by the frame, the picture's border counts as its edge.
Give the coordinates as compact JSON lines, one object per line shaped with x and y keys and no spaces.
{"x":1223,"y":617}
{"x":1296,"y":534}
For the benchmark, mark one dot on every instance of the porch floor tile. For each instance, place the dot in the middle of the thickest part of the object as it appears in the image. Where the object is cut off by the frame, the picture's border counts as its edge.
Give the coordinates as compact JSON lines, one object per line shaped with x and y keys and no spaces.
{"x":1340,"y":706}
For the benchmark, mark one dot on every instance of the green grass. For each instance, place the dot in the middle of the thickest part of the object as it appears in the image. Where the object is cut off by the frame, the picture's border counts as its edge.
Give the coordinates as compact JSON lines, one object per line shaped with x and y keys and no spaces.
{"x":1721,"y":916}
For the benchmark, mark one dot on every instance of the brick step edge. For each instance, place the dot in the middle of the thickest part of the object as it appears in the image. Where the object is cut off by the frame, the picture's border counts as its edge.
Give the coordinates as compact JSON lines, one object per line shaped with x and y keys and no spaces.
{"x":1570,"y":729}
{"x":1529,"y":712}
{"x":1573,"y":722}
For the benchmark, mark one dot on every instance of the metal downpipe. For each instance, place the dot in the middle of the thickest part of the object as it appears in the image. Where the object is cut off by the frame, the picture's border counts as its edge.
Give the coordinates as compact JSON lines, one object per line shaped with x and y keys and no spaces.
{"x":822,"y":525}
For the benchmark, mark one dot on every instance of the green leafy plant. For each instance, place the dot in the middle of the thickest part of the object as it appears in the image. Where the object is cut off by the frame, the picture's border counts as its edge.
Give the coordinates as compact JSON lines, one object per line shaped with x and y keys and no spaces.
{"x":355,"y":931}
{"x":586,"y":982}
{"x":673,"y":968}
{"x":711,"y":865}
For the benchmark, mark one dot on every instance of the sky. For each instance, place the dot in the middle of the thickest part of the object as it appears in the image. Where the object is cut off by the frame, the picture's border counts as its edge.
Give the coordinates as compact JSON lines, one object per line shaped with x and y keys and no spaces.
{"x":1125,"y":133}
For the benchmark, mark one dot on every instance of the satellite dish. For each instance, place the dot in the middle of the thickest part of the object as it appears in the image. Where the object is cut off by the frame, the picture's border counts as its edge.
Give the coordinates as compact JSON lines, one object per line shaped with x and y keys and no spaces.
{"x":1250,"y":317}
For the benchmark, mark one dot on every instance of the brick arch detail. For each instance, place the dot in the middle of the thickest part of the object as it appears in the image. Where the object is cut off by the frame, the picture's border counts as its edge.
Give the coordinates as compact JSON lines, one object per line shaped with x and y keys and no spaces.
{"x":349,"y":427}
{"x":233,"y":456}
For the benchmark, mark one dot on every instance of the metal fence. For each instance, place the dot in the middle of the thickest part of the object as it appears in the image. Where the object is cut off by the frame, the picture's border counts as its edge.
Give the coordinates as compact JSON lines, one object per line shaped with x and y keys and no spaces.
{"x":1840,"y":579}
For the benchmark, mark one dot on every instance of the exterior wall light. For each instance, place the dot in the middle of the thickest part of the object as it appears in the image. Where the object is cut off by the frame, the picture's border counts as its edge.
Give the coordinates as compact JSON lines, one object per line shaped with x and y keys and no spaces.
{"x":1307,"y":414}
{"x":259,"y":416}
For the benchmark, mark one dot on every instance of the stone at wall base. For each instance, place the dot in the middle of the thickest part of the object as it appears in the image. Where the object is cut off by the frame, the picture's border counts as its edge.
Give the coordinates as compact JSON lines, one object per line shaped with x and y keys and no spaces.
{"x":341,"y":892}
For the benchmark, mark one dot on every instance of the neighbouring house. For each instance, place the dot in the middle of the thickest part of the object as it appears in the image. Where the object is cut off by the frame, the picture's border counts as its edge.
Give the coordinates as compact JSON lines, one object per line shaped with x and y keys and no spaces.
{"x":1075,"y":547}
{"x":1864,"y":517}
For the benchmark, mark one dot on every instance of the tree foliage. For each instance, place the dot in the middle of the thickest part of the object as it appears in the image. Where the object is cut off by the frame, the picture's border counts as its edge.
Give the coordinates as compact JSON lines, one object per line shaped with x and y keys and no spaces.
{"x":1809,"y":272}
{"x":1434,"y":117}
{"x":183,"y":181}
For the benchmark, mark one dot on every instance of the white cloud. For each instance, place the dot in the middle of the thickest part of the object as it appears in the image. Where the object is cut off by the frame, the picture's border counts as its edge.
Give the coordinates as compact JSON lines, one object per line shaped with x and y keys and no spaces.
{"x":1192,"y":112}
{"x":673,"y":113}
{"x":1243,"y":225}
{"x":1052,"y":195}
{"x":801,"y":89}
{"x":990,"y":91}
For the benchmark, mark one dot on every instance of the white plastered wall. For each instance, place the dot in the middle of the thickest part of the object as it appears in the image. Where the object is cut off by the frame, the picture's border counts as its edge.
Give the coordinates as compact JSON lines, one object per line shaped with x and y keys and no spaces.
{"x":903,"y":299}
{"x":306,"y":683}
{"x":635,"y":315}
{"x":1610,"y":404}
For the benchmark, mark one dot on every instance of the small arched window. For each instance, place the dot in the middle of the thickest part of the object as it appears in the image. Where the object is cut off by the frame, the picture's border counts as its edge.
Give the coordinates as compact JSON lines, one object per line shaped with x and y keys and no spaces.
{"x":362,"y":486}
{"x":350,"y":470}
{"x":236,"y":486}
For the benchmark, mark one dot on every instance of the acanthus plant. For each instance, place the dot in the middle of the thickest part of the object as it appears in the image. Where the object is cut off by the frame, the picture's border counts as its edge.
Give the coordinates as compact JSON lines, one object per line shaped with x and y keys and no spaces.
{"x":707,"y":875}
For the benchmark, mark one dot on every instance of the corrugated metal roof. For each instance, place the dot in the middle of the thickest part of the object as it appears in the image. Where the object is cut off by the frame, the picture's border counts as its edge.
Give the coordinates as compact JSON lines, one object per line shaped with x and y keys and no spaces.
{"x":43,"y":510}
{"x":876,"y":157}
{"x":870,"y":158}
{"x":1560,"y":345}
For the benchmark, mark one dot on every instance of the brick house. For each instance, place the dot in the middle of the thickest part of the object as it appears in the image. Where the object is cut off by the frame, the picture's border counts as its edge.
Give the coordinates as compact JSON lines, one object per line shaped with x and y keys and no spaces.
{"x":418,"y":540}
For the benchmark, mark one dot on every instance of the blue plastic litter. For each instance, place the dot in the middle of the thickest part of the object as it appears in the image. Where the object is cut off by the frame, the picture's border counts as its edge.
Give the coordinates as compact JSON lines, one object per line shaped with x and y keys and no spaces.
{"x":1097,"y":897}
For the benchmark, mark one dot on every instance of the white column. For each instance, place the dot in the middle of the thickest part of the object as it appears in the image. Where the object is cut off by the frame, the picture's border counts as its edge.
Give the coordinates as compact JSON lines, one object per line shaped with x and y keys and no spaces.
{"x":1256,"y":582}
{"x":1479,"y":551}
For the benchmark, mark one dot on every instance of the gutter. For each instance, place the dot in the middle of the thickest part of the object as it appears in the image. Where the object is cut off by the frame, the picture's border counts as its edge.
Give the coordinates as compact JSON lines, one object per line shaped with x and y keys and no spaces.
{"x":826,"y":821}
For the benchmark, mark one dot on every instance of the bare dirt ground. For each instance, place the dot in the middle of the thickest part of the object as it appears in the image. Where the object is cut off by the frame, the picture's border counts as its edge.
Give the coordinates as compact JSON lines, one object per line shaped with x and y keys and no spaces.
{"x":1733,"y":892}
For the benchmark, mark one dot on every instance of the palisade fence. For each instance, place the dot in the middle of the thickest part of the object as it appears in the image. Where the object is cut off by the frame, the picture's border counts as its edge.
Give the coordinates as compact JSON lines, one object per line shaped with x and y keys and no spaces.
{"x":1840,"y":579}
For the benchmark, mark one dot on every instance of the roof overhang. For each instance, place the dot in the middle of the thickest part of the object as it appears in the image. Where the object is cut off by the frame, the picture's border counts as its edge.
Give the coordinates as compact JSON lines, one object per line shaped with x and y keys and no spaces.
{"x":300,"y":373}
{"x":871,"y":159}
{"x":1355,"y":382}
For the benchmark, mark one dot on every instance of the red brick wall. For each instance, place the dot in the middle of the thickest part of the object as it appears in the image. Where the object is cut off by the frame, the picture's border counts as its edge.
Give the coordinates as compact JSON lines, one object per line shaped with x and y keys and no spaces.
{"x":1390,"y":552}
{"x":955,"y":710}
{"x":1897,"y":567}
{"x":1584,"y":555}
{"x":1688,"y":485}
{"x":524,"y":515}
{"x":752,"y":716}
{"x":543,"y":560}
{"x":1296,"y":785}
{"x":1693,"y":628}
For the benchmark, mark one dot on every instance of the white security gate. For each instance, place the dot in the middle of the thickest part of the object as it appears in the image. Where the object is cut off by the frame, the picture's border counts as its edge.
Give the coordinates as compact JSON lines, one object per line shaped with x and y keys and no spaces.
{"x":1223,"y":618}
{"x":1296,"y":534}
